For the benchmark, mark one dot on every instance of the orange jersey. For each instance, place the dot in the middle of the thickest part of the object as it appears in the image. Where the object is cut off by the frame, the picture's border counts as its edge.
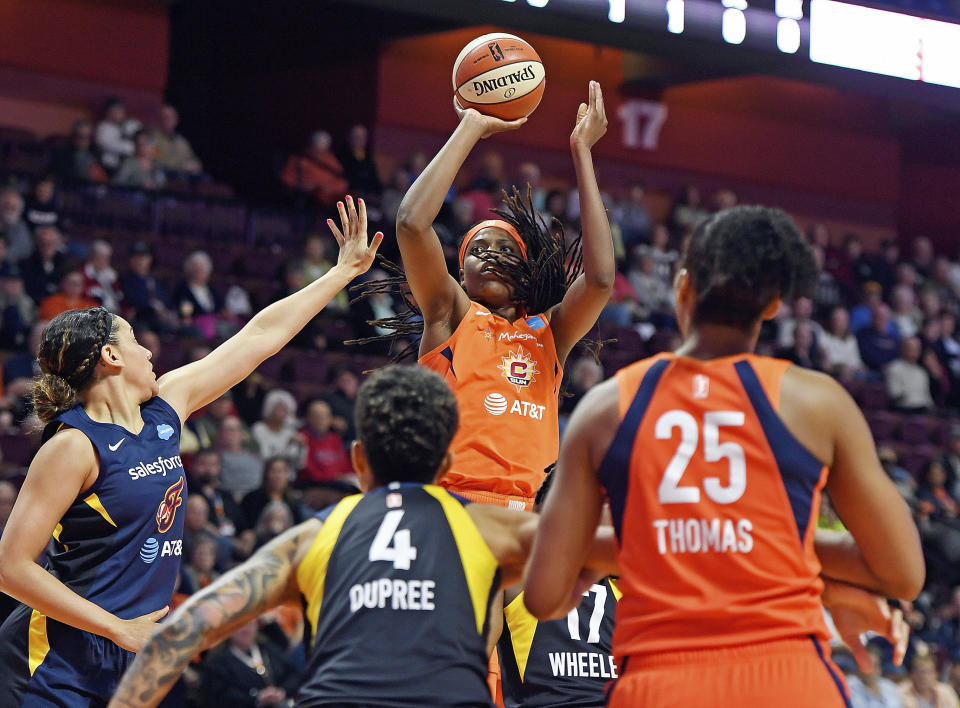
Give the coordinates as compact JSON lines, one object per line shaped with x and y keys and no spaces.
{"x":715,"y":503}
{"x":506,"y":379}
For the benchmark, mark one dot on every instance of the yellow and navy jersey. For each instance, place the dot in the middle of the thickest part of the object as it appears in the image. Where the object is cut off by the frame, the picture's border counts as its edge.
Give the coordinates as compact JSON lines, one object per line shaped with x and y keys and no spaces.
{"x":120,"y":543}
{"x":397,"y":587}
{"x":563,"y":662}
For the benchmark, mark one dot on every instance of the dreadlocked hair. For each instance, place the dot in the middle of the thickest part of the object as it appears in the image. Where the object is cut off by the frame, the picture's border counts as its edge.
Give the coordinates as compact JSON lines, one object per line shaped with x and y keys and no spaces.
{"x":539,"y":281}
{"x":742,"y":259}
{"x":68,"y":355}
{"x":545,"y":486}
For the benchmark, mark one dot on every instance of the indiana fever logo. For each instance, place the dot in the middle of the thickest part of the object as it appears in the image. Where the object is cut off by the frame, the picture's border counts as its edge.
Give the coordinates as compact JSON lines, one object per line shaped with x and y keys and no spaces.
{"x":518,"y":368}
{"x":167,"y":510}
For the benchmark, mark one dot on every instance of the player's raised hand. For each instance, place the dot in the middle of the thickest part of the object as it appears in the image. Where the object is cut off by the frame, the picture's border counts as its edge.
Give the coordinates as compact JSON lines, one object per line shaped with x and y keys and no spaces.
{"x":591,"y":119}
{"x":488,"y":125}
{"x":132,"y":634}
{"x":855,"y":611}
{"x":355,"y":252}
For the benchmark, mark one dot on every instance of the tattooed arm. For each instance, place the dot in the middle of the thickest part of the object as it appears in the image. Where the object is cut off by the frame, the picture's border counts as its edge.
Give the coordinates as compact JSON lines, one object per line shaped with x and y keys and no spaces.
{"x":268,"y":579}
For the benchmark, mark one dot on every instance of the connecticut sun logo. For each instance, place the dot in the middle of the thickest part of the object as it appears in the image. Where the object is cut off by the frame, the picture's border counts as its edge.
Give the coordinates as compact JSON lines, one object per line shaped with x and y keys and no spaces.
{"x":518,"y":368}
{"x":167,"y":510}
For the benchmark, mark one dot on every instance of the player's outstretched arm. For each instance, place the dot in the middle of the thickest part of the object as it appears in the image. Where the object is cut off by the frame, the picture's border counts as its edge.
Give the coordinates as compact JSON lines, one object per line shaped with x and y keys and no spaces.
{"x":590,"y":292}
{"x":266,"y":580}
{"x":63,"y":467}
{"x":439,"y":296}
{"x":553,"y":579}
{"x":192,"y":386}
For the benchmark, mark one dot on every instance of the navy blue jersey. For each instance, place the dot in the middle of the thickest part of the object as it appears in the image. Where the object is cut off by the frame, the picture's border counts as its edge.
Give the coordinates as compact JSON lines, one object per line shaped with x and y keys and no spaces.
{"x":398,"y":586}
{"x":119,"y":545}
{"x":563,"y":662}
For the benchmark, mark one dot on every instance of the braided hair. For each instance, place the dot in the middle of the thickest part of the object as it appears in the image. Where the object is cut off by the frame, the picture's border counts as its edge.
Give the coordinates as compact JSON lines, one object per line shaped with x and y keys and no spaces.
{"x":740,"y":260}
{"x":68,"y":355}
{"x":539,"y":281}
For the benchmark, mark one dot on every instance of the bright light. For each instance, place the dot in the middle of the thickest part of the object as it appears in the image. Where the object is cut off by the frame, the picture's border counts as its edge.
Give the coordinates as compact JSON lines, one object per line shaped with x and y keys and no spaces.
{"x":618,"y":11}
{"x":788,"y":36}
{"x":735,"y":4}
{"x":538,"y":3}
{"x":675,"y":16}
{"x":885,"y":42}
{"x":733,"y":26}
{"x":792,"y":9}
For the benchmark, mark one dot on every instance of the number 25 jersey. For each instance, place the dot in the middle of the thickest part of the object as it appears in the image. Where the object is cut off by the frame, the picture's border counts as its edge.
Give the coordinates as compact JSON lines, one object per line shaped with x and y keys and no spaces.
{"x":715,"y":504}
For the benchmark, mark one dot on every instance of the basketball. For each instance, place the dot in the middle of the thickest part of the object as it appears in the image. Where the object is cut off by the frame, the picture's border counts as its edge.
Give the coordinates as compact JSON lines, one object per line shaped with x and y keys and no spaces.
{"x":499,"y":75}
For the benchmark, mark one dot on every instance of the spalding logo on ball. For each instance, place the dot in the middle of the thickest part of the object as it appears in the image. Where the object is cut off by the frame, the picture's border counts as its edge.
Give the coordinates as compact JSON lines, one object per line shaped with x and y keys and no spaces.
{"x":500,"y":75}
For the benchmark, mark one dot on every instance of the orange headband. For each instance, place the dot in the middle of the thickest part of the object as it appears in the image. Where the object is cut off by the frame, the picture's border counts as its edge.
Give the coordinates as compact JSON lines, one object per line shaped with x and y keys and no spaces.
{"x":497,"y":224}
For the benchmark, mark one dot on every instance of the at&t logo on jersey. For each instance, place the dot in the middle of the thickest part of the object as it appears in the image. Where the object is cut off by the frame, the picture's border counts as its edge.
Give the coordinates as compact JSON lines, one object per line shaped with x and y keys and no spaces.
{"x":167,"y":510}
{"x":518,"y":368}
{"x":497,"y":404}
{"x":151,"y":549}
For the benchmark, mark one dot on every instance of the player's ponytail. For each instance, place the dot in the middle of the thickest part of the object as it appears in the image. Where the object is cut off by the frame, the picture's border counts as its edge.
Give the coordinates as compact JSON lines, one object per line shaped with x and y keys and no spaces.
{"x":68,"y":355}
{"x":740,"y":260}
{"x":52,"y":395}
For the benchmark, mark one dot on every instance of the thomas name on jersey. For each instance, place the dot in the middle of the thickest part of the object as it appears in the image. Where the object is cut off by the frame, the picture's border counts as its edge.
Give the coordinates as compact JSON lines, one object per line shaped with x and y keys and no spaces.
{"x":161,"y":467}
{"x":586,"y":664}
{"x":397,"y":593}
{"x":703,"y":535}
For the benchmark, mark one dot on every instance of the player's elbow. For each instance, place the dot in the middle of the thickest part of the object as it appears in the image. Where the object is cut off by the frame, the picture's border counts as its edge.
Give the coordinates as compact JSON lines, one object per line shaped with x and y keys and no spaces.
{"x":907,"y":582}
{"x":409,"y":224}
{"x":601,"y":282}
{"x":8,"y":573}
{"x":543,"y":605}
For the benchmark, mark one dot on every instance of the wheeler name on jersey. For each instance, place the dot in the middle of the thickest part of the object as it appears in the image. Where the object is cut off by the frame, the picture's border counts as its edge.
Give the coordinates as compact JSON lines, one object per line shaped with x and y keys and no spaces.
{"x":585,"y":664}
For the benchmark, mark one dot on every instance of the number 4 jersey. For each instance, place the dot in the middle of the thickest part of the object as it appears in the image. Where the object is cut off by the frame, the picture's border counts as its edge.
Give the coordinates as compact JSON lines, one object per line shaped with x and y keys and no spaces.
{"x":715,"y":504}
{"x":398,"y":585}
{"x":564,"y":662}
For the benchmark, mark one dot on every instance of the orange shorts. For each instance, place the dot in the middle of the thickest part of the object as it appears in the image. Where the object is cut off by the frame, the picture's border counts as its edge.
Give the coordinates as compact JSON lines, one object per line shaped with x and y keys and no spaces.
{"x":511,"y":502}
{"x":791,"y":673}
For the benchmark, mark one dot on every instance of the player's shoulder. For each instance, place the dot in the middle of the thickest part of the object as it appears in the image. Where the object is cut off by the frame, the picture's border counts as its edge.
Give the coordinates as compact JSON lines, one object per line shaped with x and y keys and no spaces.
{"x":69,"y":444}
{"x":813,"y":391}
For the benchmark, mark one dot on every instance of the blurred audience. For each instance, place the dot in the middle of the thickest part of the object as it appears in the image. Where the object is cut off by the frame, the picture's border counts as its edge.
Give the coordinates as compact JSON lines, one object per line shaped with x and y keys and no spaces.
{"x":316,"y":171}
{"x":359,"y":167}
{"x":140,"y":169}
{"x":13,"y":227}
{"x":114,"y":135}
{"x":172,"y":151}
{"x":326,"y":454}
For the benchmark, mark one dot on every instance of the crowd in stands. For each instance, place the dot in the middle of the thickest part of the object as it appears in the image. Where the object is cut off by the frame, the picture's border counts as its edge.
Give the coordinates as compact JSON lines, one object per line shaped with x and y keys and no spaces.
{"x":98,"y":224}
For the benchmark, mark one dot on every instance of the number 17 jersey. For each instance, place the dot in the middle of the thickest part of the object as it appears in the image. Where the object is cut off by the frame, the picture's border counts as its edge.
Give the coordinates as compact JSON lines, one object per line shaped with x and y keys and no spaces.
{"x":715,"y":505}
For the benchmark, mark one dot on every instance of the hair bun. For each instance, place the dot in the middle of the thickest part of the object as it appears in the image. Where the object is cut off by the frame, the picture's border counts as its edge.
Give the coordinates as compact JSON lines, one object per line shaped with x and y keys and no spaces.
{"x":52,"y":395}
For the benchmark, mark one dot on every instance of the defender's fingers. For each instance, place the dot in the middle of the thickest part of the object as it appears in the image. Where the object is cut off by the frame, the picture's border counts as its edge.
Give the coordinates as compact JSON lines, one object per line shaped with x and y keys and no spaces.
{"x":336,"y":232}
